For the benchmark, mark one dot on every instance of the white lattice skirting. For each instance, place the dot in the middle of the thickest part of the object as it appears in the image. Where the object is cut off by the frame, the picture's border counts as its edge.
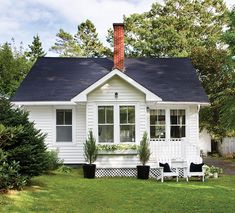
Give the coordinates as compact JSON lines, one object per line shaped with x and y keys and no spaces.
{"x":126,"y":172}
{"x":131,"y":172}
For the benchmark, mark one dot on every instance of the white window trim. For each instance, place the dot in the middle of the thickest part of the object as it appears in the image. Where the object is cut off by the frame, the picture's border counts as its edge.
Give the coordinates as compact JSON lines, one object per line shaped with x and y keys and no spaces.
{"x":105,"y":124}
{"x":73,"y":126}
{"x":168,"y":122}
{"x":116,"y":121}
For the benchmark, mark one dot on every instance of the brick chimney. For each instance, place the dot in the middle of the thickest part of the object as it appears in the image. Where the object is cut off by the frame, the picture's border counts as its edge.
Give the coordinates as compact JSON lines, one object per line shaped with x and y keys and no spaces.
{"x":118,"y":37}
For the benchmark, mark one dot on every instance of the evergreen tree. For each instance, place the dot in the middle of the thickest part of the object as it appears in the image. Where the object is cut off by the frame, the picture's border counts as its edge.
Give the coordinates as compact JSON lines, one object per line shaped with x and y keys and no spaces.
{"x":84,"y":43}
{"x":13,"y":68}
{"x":35,"y":49}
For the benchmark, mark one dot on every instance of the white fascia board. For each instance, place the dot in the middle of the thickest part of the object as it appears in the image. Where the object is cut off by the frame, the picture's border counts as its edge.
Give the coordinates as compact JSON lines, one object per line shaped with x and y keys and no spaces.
{"x":82,"y":97}
{"x":41,"y":103}
{"x":184,"y":103}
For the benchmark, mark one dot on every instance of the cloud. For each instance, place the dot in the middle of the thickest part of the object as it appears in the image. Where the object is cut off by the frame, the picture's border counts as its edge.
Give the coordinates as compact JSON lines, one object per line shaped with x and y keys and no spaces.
{"x":24,"y":19}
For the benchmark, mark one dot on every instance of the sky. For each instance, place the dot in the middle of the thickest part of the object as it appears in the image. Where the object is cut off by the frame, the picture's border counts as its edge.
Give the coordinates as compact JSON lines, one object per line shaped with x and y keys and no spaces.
{"x":22,"y":19}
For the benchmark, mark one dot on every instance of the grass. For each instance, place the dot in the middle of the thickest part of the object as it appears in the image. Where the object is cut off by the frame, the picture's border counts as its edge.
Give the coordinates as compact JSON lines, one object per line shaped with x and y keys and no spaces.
{"x":72,"y":193}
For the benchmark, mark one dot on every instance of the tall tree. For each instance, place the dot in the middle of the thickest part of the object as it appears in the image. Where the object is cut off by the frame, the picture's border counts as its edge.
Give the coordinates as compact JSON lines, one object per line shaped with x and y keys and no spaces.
{"x":84,"y":43}
{"x":174,"y":28}
{"x":228,"y":108}
{"x":13,"y":68}
{"x":35,"y":49}
{"x":66,"y":45}
{"x":215,"y":73}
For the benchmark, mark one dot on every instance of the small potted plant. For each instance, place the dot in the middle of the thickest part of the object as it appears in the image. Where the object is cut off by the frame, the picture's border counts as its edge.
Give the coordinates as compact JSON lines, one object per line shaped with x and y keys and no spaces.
{"x":90,"y":154}
{"x":144,"y":154}
{"x":215,"y":171}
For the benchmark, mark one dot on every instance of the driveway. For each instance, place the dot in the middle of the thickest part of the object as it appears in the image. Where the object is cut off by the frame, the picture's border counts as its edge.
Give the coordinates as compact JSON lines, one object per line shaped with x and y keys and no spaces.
{"x":228,"y":166}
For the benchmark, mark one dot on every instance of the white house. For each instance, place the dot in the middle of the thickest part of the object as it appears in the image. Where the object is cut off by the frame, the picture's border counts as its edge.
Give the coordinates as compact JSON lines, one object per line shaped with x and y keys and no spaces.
{"x":118,"y":100}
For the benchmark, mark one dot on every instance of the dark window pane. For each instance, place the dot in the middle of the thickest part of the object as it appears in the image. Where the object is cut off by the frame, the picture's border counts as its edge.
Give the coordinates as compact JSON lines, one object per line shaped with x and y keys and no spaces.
{"x":101,"y":115}
{"x":127,"y":133}
{"x":64,"y":133}
{"x":109,"y":114}
{"x":157,"y":132}
{"x":123,"y":115}
{"x":161,"y":119}
{"x":153,"y":119}
{"x":177,"y":131}
{"x":173,"y":119}
{"x":68,"y":117}
{"x":105,"y":133}
{"x":59,"y":117}
{"x":131,"y":114}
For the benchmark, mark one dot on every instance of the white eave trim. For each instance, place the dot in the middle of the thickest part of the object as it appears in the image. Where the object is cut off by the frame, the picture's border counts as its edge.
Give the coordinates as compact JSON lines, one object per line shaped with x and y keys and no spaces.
{"x":82,"y":97}
{"x":41,"y":103}
{"x":184,"y":103}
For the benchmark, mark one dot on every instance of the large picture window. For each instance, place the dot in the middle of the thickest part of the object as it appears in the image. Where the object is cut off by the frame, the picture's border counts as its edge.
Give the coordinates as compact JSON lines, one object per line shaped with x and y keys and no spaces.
{"x":177,"y":123}
{"x":157,"y":123}
{"x":127,"y":123}
{"x":105,"y":124}
{"x":63,"y":125}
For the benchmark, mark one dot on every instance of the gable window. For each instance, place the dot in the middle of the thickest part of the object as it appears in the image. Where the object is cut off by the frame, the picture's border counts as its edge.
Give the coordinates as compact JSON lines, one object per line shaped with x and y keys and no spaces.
{"x":157,"y":123}
{"x":63,"y":125}
{"x":177,"y":122}
{"x":127,"y":123}
{"x":105,"y":124}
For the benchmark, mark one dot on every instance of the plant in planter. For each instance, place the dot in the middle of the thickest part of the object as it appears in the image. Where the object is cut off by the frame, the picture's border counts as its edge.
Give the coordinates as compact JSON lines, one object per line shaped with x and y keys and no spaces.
{"x":215,"y":171}
{"x":90,"y":154}
{"x":144,"y":155}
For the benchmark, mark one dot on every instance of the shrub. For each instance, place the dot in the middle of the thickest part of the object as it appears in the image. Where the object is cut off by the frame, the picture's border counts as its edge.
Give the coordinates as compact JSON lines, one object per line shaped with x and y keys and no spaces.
{"x":64,"y":169}
{"x":53,"y":161}
{"x":90,"y":148}
{"x":144,"y":150}
{"x":10,"y":177}
{"x":27,"y":147}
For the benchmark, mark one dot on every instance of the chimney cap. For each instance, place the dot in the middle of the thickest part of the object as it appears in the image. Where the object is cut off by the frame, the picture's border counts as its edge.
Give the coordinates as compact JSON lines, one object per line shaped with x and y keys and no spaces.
{"x":118,"y":24}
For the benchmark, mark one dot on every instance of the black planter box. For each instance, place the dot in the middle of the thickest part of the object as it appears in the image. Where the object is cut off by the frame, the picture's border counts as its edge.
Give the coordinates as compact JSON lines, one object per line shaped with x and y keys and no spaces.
{"x":143,"y":172}
{"x":89,"y":170}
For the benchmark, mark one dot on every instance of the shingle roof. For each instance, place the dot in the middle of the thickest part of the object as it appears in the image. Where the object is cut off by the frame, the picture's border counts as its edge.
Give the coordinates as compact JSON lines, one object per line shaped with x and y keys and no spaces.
{"x":61,"y":79}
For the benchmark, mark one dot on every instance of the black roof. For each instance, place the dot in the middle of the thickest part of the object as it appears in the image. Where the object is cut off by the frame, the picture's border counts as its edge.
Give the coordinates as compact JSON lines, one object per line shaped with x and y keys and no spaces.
{"x":61,"y":79}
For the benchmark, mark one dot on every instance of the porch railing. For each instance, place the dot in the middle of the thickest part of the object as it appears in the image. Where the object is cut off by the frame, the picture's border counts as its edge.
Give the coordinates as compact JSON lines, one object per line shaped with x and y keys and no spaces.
{"x":178,"y":149}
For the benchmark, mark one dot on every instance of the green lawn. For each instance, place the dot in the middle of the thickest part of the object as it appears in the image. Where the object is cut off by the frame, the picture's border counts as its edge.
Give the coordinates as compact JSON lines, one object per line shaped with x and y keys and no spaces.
{"x":72,"y":193}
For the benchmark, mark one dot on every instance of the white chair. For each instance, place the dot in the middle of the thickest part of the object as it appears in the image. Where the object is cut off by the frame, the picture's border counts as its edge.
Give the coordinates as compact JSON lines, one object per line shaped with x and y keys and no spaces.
{"x":169,"y":172}
{"x":196,"y":174}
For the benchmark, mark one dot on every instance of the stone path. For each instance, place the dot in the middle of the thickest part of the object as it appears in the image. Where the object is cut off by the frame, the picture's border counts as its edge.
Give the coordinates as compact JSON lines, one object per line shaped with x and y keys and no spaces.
{"x":228,"y":166}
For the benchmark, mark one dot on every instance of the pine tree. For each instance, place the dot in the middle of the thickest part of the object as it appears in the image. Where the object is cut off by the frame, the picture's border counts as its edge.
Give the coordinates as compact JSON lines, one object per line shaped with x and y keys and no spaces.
{"x":35,"y":49}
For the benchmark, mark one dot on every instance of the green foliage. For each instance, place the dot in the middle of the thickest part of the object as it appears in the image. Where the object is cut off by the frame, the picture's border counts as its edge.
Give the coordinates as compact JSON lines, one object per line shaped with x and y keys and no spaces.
{"x":144,"y":150}
{"x":215,"y":73}
{"x":114,"y":147}
{"x":13,"y":68}
{"x":66,"y":45}
{"x":84,"y":43}
{"x":27,"y":146}
{"x":90,"y":148}
{"x":174,"y":28}
{"x":35,"y":49}
{"x":229,"y":35}
{"x":52,"y":160}
{"x":64,"y":169}
{"x":10,"y":177}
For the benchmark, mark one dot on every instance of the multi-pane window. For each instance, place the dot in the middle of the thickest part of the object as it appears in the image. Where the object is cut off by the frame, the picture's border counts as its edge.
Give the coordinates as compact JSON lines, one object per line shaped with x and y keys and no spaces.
{"x":157,"y":123}
{"x":105,"y":124}
{"x":63,"y":125}
{"x":177,"y":123}
{"x":127,"y":123}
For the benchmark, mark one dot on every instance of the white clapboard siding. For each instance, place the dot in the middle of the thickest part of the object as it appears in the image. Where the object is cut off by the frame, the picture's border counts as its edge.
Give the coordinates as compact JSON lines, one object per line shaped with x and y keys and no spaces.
{"x":44,"y":119}
{"x":193,"y":125}
{"x":106,"y":92}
